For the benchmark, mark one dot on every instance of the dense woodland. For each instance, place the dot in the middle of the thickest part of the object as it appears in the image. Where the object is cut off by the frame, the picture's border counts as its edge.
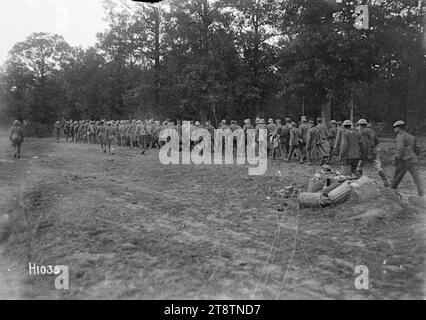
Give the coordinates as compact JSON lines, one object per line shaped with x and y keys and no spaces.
{"x":227,"y":59}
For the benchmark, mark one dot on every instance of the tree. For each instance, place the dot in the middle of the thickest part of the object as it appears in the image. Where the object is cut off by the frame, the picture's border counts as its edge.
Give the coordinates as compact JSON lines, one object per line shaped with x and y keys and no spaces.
{"x":34,"y":65}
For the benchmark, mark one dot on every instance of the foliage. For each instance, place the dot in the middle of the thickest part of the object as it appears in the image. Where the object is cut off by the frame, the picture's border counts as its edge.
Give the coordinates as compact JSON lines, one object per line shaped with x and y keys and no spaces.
{"x":208,"y":60}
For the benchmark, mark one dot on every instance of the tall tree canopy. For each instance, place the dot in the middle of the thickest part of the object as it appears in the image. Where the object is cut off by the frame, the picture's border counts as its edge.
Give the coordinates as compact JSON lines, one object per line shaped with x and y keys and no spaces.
{"x":213,"y":59}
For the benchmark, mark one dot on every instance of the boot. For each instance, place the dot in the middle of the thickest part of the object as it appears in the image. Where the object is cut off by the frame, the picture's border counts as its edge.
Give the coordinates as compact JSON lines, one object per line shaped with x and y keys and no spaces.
{"x":384,"y":179}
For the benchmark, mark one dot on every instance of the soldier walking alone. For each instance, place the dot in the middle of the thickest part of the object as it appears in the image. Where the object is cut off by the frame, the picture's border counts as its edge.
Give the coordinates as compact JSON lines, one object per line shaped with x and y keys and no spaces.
{"x":16,"y":137}
{"x":406,"y":158}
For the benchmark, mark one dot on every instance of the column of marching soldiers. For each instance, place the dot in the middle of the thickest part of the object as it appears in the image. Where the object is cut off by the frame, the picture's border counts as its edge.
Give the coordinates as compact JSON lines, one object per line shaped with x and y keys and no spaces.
{"x":352,"y":145}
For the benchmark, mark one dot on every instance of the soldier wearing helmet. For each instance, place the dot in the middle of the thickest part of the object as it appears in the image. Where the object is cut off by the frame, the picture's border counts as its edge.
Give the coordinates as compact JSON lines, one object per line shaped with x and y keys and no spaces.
{"x":58,"y":129}
{"x":371,"y":142}
{"x":352,"y":150}
{"x":406,"y":158}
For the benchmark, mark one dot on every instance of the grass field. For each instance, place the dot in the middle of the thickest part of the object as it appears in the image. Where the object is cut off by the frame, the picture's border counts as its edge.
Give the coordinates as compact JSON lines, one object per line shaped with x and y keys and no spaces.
{"x":130,"y":228}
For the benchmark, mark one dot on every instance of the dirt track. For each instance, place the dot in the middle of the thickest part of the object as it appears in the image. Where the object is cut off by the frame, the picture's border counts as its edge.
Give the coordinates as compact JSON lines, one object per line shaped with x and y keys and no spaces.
{"x":129,"y":227}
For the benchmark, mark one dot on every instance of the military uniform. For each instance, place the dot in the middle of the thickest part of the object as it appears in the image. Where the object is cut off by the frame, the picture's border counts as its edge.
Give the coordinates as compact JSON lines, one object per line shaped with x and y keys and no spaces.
{"x":371,"y":141}
{"x":406,"y":160}
{"x":16,"y":136}
{"x":303,"y":133}
{"x":110,"y":137}
{"x":332,"y":134}
{"x":352,"y":151}
{"x":285,"y":138}
{"x":58,"y":129}
{"x":323,"y":143}
{"x":142,"y":135}
{"x":294,"y":142}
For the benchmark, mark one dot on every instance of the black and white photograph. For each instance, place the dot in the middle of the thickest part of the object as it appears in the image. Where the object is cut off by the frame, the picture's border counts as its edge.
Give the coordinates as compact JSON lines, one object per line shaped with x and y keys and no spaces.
{"x":212,"y":155}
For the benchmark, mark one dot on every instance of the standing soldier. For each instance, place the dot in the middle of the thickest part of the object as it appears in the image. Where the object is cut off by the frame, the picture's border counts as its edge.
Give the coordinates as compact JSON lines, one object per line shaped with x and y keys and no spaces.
{"x":156,"y":135}
{"x":303,"y":132}
{"x":58,"y":129}
{"x":278,"y":151}
{"x":371,"y":141}
{"x":122,"y":133}
{"x":127,"y":133}
{"x":210,"y":129}
{"x":83,"y":131}
{"x":149,"y":131}
{"x":285,"y":137}
{"x":110,"y":136}
{"x":76,"y":126}
{"x":223,"y":125}
{"x":142,"y":135}
{"x":313,"y":141}
{"x":133,"y":134}
{"x":91,"y":132}
{"x":234,"y":126}
{"x":247,"y":125}
{"x":16,"y":136}
{"x":101,"y":136}
{"x":66,"y":130}
{"x":324,"y":145}
{"x":271,"y":127}
{"x":332,"y":134}
{"x":406,"y":158}
{"x":294,"y":142}
{"x":117,"y":130}
{"x":352,"y":150}
{"x":73,"y":130}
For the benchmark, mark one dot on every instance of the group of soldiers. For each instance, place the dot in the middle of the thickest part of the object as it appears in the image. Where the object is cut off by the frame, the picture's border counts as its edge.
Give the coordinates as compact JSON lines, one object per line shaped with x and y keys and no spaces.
{"x":134,"y":134}
{"x":354,"y":145}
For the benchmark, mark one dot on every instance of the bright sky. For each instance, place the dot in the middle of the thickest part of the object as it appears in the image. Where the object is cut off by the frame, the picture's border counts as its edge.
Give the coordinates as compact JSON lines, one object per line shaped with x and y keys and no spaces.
{"x":77,"y":21}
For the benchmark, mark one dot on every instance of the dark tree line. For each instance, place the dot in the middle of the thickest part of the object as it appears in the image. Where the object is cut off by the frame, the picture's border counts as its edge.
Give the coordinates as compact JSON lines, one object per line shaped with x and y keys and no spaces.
{"x":208,"y":60}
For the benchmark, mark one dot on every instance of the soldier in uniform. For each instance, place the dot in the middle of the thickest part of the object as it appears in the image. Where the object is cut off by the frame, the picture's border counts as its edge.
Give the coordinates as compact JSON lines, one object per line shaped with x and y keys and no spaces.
{"x":117,"y":129}
{"x":156,"y":134}
{"x":100,"y":134}
{"x":16,"y":137}
{"x":352,"y":149}
{"x":66,"y":130}
{"x":110,"y":136}
{"x":92,"y":132}
{"x":313,"y":141}
{"x":303,"y":133}
{"x":371,"y":141}
{"x":142,"y":135}
{"x":324,"y":145}
{"x":234,"y":126}
{"x":58,"y":129}
{"x":247,"y":125}
{"x":406,"y":158}
{"x":223,"y":125}
{"x":271,"y":127}
{"x":285,"y":137}
{"x":133,"y":134}
{"x":76,"y":127}
{"x":294,"y":142}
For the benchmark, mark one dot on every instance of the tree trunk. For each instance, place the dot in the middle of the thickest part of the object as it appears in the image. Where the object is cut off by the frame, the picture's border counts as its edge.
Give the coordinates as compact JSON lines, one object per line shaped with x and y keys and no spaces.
{"x":157,"y":59}
{"x":326,"y":109}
